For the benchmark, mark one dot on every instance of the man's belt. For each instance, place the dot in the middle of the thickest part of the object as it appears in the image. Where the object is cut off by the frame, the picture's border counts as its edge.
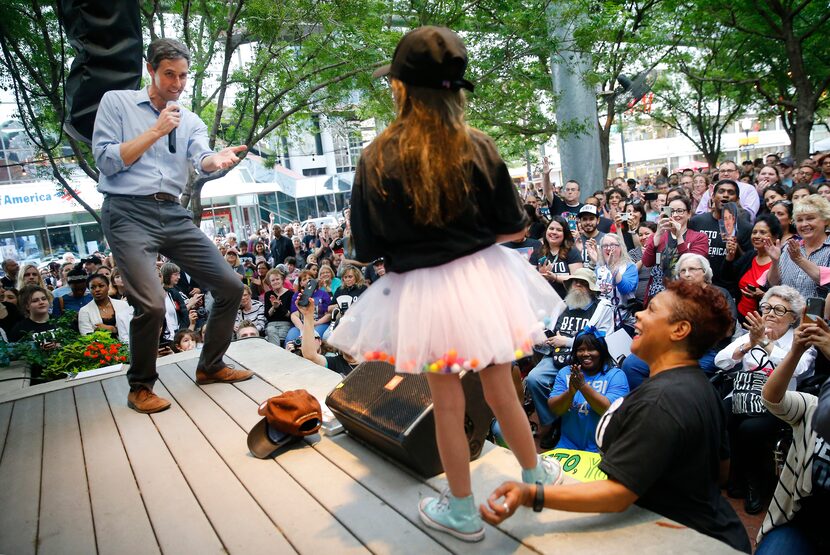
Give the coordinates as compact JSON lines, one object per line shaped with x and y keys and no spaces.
{"x":158,"y":197}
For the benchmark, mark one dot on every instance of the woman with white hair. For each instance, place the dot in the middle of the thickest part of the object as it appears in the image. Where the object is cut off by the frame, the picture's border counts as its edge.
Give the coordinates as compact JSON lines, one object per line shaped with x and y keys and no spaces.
{"x":804,"y":264}
{"x":695,"y":268}
{"x":752,"y":429}
{"x":617,"y":278}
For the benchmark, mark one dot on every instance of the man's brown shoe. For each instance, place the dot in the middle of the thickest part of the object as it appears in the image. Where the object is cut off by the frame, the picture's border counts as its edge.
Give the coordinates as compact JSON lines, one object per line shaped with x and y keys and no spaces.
{"x":225,"y":375}
{"x":147,"y":402}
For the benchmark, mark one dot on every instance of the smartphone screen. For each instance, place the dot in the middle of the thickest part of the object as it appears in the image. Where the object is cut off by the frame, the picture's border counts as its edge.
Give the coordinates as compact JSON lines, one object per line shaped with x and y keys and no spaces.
{"x":815,"y":309}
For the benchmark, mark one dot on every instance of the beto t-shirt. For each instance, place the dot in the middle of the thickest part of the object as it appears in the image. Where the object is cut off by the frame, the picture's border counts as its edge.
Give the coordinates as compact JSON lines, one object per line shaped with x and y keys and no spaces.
{"x":571,"y":213}
{"x":664,"y":442}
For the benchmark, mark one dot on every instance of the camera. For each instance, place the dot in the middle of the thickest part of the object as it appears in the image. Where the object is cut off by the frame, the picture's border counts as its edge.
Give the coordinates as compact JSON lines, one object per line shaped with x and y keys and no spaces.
{"x":298,"y":343}
{"x":624,"y":216}
{"x":201,"y":312}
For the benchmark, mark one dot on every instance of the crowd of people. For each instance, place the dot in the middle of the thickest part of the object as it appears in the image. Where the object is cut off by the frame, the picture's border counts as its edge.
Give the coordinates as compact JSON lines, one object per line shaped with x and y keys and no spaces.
{"x":754,"y":235}
{"x":93,"y":288}
{"x":758,"y":236}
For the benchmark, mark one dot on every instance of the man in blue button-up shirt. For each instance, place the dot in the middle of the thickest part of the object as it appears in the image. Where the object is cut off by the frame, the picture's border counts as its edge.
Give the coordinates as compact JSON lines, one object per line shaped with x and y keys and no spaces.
{"x":143,"y":170}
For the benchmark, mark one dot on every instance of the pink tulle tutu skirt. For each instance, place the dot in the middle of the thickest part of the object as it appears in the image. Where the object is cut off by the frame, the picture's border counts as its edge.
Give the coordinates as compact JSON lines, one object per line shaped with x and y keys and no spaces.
{"x":485,"y":308}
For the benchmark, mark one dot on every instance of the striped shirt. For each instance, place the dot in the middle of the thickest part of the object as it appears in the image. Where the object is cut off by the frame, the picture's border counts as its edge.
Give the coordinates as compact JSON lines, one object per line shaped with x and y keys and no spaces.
{"x":796,"y":480}
{"x":791,"y":274}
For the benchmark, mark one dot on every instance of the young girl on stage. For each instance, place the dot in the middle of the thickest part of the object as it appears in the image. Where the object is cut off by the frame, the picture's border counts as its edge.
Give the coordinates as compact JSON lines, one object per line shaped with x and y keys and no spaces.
{"x":433,"y":198}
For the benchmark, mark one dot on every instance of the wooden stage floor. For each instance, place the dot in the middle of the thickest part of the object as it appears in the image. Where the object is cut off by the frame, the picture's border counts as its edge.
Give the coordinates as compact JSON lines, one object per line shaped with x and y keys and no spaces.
{"x":82,"y":473}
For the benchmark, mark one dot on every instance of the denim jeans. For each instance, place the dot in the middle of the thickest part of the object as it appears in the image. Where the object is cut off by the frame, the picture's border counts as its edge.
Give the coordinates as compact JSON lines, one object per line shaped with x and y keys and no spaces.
{"x":787,"y":538}
{"x":539,"y":382}
{"x":294,"y":332}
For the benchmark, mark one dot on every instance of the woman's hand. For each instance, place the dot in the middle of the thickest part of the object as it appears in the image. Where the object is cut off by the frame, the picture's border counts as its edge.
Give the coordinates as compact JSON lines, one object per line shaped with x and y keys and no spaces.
{"x":752,"y":293}
{"x":663,"y":226}
{"x":193,"y":316}
{"x":773,"y":248}
{"x":577,"y":378}
{"x":794,"y":250}
{"x":193,"y":301}
{"x":815,"y":334}
{"x":756,"y":327}
{"x":546,"y":269}
{"x":504,"y":501}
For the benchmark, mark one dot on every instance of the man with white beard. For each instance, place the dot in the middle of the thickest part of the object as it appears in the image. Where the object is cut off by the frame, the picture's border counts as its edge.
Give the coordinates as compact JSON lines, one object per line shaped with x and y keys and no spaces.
{"x":584,"y":308}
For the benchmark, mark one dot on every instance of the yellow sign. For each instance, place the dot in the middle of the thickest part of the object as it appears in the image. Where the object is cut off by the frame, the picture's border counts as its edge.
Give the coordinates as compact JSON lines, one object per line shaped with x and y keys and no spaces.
{"x":582,"y":465}
{"x":744,"y":141}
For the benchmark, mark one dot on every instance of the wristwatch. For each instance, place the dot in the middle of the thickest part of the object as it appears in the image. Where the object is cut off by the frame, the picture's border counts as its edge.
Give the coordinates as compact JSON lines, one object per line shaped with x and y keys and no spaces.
{"x":539,"y":498}
{"x":764,"y":343}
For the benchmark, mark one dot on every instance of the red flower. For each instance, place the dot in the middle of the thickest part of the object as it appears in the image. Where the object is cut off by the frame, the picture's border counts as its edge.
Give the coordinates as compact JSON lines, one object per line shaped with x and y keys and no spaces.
{"x":109,"y":358}
{"x":113,"y":349}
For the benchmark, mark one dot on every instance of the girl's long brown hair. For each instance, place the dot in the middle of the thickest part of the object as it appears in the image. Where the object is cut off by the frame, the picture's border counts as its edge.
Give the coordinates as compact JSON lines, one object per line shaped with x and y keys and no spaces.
{"x":434,"y":150}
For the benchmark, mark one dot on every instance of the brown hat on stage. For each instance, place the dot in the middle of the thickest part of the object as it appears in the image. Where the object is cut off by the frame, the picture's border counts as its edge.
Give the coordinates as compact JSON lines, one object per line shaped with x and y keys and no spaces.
{"x":288,"y":417}
{"x":432,"y":57}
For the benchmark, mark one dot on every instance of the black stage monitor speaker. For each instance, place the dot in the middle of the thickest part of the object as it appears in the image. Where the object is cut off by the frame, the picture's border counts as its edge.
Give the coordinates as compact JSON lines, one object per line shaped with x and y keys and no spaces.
{"x":108,"y":47}
{"x":393,"y":414}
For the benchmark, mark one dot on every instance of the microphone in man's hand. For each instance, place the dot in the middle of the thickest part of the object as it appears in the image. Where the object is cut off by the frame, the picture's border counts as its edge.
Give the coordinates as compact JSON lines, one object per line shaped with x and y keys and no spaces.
{"x":171,"y":137}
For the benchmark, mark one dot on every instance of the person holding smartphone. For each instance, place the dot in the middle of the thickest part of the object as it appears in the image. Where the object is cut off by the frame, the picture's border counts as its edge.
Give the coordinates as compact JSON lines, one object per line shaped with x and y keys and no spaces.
{"x":671,"y":240}
{"x":796,"y":518}
{"x":585,"y":389}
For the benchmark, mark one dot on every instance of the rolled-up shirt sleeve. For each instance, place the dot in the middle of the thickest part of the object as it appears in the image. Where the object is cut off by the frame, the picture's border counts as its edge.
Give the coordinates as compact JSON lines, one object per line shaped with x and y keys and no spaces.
{"x":107,"y":137}
{"x":198,"y":145}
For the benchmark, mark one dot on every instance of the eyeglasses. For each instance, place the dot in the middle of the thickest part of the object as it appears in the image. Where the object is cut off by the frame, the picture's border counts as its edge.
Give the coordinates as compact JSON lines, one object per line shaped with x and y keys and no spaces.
{"x":678,"y":211}
{"x":610,"y":247}
{"x":778,"y":310}
{"x":721,"y":170}
{"x":684,"y":271}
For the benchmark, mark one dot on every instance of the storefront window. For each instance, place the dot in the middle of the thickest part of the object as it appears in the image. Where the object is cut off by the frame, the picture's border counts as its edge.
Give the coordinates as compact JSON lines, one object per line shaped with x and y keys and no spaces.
{"x":307,"y":209}
{"x":286,"y":208}
{"x":61,"y":240}
{"x":93,"y":238}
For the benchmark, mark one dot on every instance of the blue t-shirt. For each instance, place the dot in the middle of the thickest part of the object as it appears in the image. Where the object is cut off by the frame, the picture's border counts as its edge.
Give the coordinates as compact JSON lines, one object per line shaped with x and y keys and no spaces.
{"x":70,"y":302}
{"x":580,"y":422}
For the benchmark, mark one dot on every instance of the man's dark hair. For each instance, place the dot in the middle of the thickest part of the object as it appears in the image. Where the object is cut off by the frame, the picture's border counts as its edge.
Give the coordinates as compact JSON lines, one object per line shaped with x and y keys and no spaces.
{"x":166,"y":49}
{"x":729,"y":182}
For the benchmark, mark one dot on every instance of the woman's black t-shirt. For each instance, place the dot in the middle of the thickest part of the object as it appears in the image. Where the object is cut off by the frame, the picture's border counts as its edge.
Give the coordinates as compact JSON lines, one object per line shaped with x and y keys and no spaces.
{"x":25,"y":326}
{"x":283,"y":312}
{"x":561,"y":266}
{"x":664,"y":442}
{"x":385,"y":226}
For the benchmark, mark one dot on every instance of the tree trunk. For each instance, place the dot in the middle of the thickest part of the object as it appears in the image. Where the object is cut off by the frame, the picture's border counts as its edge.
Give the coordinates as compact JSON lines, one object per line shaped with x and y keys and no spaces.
{"x":605,"y":139}
{"x":604,"y":152}
{"x":804,"y":119}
